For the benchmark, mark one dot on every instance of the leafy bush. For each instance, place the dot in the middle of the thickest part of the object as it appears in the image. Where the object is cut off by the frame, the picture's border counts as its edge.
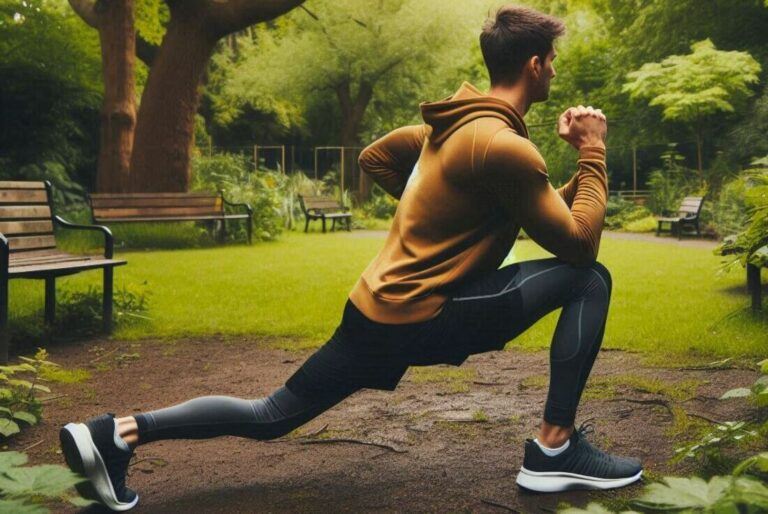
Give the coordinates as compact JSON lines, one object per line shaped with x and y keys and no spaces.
{"x":730,"y":209}
{"x":381,"y":205}
{"x":18,"y":388}
{"x":262,"y":190}
{"x":751,"y":244}
{"x":620,"y":214}
{"x":670,"y":184}
{"x":23,"y":489}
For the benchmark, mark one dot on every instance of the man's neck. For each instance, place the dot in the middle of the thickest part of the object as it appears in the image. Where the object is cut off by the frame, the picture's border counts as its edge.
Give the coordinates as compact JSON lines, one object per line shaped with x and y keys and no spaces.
{"x":515,"y":95}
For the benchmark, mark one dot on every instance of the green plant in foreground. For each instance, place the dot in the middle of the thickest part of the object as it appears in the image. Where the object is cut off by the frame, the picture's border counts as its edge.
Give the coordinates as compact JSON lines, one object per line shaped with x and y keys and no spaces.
{"x":17,"y":395}
{"x":23,"y":489}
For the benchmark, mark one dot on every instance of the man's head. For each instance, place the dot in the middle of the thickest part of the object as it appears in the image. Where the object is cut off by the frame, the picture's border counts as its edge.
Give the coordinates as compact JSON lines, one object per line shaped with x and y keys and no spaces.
{"x":518,"y":44}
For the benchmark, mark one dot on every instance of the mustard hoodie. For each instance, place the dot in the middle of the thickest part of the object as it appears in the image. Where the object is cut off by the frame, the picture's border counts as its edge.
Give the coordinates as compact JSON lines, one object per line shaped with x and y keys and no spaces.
{"x":468,"y":179}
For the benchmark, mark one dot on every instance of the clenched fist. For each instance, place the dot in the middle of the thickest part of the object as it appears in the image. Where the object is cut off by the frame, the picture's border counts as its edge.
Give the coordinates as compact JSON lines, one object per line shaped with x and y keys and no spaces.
{"x":583,"y":126}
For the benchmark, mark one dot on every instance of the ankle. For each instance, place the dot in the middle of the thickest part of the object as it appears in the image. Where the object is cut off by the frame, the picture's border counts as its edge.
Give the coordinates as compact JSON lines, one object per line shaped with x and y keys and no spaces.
{"x":128,"y":430}
{"x":553,"y":436}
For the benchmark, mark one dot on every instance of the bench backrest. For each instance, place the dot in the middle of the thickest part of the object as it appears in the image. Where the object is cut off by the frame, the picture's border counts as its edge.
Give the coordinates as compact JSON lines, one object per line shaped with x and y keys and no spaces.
{"x":691,"y":206}
{"x":319,"y":203}
{"x":107,"y":206}
{"x":25,"y":216}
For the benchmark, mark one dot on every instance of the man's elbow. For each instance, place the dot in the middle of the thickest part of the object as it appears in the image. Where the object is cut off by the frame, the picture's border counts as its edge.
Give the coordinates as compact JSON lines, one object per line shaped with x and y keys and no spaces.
{"x":580,"y":255}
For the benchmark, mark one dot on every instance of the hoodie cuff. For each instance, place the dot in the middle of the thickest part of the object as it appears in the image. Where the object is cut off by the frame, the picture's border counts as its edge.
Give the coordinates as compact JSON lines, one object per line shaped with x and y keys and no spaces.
{"x":592,"y":152}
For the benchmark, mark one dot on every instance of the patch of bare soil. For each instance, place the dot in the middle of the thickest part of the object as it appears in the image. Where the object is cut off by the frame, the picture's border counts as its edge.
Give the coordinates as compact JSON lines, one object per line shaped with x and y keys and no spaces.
{"x":447,"y":441}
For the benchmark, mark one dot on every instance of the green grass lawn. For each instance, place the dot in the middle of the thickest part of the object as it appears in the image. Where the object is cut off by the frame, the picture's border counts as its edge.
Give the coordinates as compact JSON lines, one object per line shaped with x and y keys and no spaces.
{"x":666,"y":299}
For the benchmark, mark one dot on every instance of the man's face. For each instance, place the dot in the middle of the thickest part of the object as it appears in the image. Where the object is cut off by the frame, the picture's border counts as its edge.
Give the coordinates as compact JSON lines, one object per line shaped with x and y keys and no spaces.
{"x":546,"y":72}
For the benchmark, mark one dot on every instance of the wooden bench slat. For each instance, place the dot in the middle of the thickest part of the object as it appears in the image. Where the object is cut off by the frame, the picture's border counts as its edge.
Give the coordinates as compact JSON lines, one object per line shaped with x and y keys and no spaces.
{"x":15,"y":184}
{"x":31,"y":243}
{"x":151,"y":195}
{"x":174,"y":218}
{"x":46,"y":259}
{"x":18,"y":271}
{"x":26,"y":227}
{"x":25,"y":212}
{"x":16,"y":196}
{"x":199,"y":201}
{"x":152,"y":212}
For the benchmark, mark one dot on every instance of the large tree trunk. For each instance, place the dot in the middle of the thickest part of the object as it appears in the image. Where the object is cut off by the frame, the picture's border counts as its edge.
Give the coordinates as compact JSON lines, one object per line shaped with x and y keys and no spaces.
{"x":114,"y":19}
{"x":118,"y":114}
{"x":166,"y":122}
{"x":352,"y":113}
{"x":166,"y":125}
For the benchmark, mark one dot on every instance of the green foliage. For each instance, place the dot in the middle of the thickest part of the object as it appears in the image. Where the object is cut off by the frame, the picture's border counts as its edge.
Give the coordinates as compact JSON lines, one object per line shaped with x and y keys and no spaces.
{"x":620,"y":214}
{"x":25,"y":488}
{"x":670,"y":184}
{"x":18,"y":388}
{"x":232,"y":174}
{"x":751,"y":244}
{"x":730,"y":208}
{"x":50,"y":93}
{"x":691,"y":87}
{"x":381,"y":205}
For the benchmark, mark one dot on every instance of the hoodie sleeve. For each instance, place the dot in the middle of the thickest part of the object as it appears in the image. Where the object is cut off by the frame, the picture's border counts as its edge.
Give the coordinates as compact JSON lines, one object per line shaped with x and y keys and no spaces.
{"x":390,"y":160}
{"x":568,"y":191}
{"x":516,"y":176}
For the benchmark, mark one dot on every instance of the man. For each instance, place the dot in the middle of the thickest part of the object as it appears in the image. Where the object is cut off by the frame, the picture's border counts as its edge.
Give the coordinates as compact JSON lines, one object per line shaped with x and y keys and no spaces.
{"x":468,"y":179}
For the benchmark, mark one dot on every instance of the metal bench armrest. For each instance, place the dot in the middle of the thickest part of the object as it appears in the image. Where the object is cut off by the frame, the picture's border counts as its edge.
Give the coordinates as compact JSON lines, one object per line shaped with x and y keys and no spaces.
{"x":109,"y":243}
{"x":246,"y":206}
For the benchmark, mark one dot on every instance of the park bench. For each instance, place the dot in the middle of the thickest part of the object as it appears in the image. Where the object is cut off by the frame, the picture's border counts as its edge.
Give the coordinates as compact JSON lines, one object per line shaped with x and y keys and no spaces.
{"x":687,"y":214}
{"x":28,"y":250}
{"x":108,"y":208}
{"x":323,"y":208}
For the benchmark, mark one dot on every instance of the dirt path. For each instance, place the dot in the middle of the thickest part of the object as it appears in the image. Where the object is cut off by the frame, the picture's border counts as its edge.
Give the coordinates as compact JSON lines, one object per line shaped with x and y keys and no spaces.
{"x":456,"y":442}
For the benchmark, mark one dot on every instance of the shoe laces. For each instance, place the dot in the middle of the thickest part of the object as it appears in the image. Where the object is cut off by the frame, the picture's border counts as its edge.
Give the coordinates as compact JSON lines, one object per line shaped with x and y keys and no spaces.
{"x":586,"y":427}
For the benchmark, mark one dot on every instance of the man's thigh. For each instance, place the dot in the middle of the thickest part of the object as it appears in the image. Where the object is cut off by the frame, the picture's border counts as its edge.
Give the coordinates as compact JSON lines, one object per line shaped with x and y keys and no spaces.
{"x":485,"y":314}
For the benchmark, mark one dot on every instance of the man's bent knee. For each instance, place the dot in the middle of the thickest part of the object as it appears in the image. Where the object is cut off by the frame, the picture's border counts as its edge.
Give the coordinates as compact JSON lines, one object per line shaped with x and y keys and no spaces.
{"x":603,"y":274}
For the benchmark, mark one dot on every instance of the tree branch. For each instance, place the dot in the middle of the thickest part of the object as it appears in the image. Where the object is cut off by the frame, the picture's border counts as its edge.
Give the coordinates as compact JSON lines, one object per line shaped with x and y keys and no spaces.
{"x":232,"y":15}
{"x":86,"y":9}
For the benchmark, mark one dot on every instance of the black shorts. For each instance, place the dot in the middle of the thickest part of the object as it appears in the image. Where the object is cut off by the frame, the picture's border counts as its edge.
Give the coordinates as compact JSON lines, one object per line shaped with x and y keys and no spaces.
{"x":363,"y":353}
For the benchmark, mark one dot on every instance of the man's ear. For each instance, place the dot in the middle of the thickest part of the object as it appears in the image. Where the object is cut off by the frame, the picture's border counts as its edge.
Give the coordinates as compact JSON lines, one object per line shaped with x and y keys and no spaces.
{"x":535,"y":66}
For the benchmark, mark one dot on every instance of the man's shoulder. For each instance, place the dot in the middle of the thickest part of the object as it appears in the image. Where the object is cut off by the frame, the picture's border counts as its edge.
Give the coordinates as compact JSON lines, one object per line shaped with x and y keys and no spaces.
{"x":508,"y":151}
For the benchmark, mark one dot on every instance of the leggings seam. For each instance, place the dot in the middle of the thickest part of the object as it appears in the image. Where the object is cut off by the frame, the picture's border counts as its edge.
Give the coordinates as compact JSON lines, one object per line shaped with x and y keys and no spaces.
{"x":506,"y":288}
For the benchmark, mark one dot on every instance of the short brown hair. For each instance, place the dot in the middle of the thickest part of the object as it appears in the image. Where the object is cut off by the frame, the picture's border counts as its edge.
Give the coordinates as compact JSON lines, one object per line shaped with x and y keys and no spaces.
{"x":513,"y":36}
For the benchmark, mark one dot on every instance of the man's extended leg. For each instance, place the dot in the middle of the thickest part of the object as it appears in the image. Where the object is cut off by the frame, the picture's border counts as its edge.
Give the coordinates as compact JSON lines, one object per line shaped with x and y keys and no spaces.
{"x":102,"y":447}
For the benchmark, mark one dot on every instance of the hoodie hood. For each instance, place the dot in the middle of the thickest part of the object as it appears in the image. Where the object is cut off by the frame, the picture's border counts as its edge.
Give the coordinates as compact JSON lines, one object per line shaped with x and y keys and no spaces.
{"x":468,"y":103}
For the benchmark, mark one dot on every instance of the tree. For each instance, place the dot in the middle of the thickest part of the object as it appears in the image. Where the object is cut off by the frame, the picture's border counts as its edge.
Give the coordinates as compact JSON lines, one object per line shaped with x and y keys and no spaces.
{"x":166,"y":120}
{"x":388,"y":54}
{"x":693,"y":87}
{"x":114,"y":20}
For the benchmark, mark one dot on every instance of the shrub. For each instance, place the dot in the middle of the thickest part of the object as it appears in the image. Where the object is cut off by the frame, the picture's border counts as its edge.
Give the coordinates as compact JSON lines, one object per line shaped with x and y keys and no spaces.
{"x":670,"y":184}
{"x":262,"y":190}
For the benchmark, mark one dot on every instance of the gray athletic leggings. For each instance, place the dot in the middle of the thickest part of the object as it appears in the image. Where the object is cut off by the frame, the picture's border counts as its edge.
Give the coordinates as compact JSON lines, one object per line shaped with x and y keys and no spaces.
{"x":479,"y":316}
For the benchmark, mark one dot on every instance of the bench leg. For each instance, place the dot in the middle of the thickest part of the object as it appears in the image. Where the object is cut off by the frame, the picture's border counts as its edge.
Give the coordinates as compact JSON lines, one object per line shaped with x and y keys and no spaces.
{"x":4,"y":336}
{"x":106,"y":299}
{"x":50,"y":301}
{"x":333,"y":224}
{"x":349,"y":224}
{"x":754,"y":287}
{"x":658,"y":229}
{"x":306,"y":225}
{"x":323,"y":224}
{"x":223,"y":232}
{"x":249,"y":229}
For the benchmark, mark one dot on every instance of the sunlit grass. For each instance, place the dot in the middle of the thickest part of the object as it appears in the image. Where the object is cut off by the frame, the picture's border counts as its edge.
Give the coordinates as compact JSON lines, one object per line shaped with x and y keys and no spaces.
{"x":667,"y":300}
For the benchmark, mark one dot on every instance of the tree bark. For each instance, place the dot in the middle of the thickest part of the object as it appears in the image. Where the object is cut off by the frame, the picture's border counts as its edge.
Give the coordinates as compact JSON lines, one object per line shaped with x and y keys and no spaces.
{"x":114,"y":19}
{"x":352,"y":113}
{"x":165,"y":128}
{"x":166,"y":121}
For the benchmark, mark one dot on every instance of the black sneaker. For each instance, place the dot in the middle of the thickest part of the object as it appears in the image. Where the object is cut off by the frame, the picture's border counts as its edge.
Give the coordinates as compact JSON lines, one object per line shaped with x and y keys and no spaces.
{"x":90,"y":450}
{"x":580,"y":466}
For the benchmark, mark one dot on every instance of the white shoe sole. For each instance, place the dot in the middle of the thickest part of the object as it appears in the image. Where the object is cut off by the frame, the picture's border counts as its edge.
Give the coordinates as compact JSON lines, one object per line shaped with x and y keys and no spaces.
{"x":555,"y":481}
{"x":84,"y":458}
